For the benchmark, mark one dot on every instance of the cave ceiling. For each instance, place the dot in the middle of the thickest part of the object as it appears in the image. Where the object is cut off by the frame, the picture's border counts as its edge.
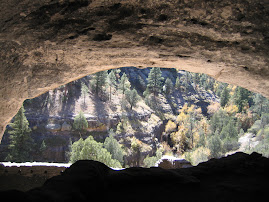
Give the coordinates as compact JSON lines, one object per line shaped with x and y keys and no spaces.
{"x":48,"y":43}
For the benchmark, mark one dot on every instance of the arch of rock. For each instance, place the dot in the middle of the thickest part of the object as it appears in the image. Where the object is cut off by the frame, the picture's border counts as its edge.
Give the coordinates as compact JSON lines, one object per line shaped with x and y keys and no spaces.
{"x":52,"y":42}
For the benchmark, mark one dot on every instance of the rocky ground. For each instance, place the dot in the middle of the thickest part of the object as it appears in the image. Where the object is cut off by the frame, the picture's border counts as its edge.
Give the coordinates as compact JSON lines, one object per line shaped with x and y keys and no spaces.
{"x":239,"y":177}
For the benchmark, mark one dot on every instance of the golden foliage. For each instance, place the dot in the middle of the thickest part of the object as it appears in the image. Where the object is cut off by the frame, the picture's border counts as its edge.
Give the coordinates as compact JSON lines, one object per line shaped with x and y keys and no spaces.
{"x":231,"y":109}
{"x":213,"y":108}
{"x":170,"y":126}
{"x":197,"y":156}
{"x":166,"y":148}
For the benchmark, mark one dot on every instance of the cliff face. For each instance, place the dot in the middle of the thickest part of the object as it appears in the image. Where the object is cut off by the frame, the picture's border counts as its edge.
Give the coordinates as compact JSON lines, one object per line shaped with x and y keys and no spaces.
{"x":48,"y":43}
{"x":51,"y":115}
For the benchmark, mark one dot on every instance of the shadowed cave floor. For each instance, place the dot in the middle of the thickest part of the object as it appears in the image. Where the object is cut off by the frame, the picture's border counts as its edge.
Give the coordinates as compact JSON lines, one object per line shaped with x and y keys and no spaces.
{"x":239,"y":177}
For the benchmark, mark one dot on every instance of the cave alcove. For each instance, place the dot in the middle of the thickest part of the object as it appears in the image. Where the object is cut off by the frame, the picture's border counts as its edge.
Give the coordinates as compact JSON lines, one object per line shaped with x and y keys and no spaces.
{"x":49,"y":43}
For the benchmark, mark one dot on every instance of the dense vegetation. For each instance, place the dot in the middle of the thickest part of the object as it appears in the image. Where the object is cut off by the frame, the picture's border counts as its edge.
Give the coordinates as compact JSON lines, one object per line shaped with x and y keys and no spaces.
{"x":194,"y":132}
{"x":198,"y":138}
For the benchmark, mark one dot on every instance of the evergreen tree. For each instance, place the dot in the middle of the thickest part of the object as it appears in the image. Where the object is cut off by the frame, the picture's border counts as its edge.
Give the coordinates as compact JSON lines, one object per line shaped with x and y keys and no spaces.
{"x":196,"y":79}
{"x":242,"y":96}
{"x":186,"y":81}
{"x":219,"y":120}
{"x":215,"y":145}
{"x":155,"y":81}
{"x":112,"y":145}
{"x":80,"y":122}
{"x":92,"y":150}
{"x":210,"y":84}
{"x":43,"y":146}
{"x":99,"y":81}
{"x":84,"y":90}
{"x":203,"y":80}
{"x":224,"y":99}
{"x":21,"y":141}
{"x":132,"y":97}
{"x":42,"y":149}
{"x":229,"y":130}
{"x":111,"y":81}
{"x":177,"y":85}
{"x":261,"y":104}
{"x":124,"y":83}
{"x":168,"y":86}
{"x":124,"y":86}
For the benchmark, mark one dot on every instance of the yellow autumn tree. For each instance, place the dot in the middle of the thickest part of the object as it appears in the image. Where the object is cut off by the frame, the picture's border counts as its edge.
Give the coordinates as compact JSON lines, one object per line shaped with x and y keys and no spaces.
{"x":170,"y":126}
{"x":231,"y":109}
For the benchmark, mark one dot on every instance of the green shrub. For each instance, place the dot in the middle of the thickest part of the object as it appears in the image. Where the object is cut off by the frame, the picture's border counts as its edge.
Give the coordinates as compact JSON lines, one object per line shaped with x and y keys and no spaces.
{"x":255,"y":127}
{"x":92,"y":150}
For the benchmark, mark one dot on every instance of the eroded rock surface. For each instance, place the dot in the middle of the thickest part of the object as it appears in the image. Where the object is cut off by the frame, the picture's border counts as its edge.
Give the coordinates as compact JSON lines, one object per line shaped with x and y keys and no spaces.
{"x":47,"y":43}
{"x":239,"y":177}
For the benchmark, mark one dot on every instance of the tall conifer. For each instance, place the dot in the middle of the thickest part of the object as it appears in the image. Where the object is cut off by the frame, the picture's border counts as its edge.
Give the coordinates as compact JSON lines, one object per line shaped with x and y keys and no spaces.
{"x":21,"y":141}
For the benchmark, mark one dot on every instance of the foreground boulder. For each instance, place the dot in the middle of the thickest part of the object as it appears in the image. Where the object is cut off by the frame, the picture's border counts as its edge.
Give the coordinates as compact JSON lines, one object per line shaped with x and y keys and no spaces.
{"x":239,"y":177}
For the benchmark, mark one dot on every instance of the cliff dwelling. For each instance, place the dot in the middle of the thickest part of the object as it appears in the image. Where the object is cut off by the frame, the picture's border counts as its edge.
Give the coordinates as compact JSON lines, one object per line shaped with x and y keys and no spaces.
{"x":50,"y":43}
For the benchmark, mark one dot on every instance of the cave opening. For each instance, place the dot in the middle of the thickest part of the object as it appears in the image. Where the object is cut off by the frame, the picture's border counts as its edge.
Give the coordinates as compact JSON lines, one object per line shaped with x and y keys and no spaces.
{"x":50,"y":43}
{"x":140,"y":118}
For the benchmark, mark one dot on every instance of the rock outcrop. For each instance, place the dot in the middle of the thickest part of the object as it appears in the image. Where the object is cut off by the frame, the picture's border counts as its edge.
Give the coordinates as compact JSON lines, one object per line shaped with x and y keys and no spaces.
{"x":240,"y":177}
{"x":45,"y":44}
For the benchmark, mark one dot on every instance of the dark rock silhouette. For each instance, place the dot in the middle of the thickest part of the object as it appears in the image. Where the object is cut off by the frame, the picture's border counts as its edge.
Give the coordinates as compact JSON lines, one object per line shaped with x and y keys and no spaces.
{"x":239,"y":177}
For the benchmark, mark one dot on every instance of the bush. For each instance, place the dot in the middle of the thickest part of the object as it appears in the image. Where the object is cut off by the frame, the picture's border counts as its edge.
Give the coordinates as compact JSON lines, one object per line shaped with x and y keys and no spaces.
{"x":262,"y":148}
{"x":215,"y":146}
{"x":255,"y":127}
{"x":92,"y":150}
{"x":112,"y":145}
{"x":201,"y":154}
{"x":151,"y":161}
{"x":230,"y":144}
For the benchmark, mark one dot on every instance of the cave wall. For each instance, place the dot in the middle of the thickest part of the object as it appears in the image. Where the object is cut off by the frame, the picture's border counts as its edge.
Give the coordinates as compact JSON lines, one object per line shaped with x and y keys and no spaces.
{"x":47,"y":43}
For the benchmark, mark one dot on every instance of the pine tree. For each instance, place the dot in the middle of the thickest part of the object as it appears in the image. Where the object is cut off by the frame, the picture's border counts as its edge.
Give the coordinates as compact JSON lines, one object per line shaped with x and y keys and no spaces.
{"x":124,"y":86}
{"x":168,"y":86}
{"x":229,"y":130}
{"x":177,"y":85}
{"x":155,"y":81}
{"x":80,"y":122}
{"x":21,"y":141}
{"x":215,"y":145}
{"x":84,"y":90}
{"x":99,"y":81}
{"x":261,"y":104}
{"x":112,"y":145}
{"x":224,"y":98}
{"x":186,"y":81}
{"x":43,"y":146}
{"x":111,"y":81}
{"x":241,"y":98}
{"x":132,"y":97}
{"x":196,"y":79}
{"x":124,"y":83}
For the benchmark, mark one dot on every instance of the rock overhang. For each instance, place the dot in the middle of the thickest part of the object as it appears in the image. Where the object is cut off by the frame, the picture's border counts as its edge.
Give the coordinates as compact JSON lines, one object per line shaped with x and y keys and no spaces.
{"x":49,"y":43}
